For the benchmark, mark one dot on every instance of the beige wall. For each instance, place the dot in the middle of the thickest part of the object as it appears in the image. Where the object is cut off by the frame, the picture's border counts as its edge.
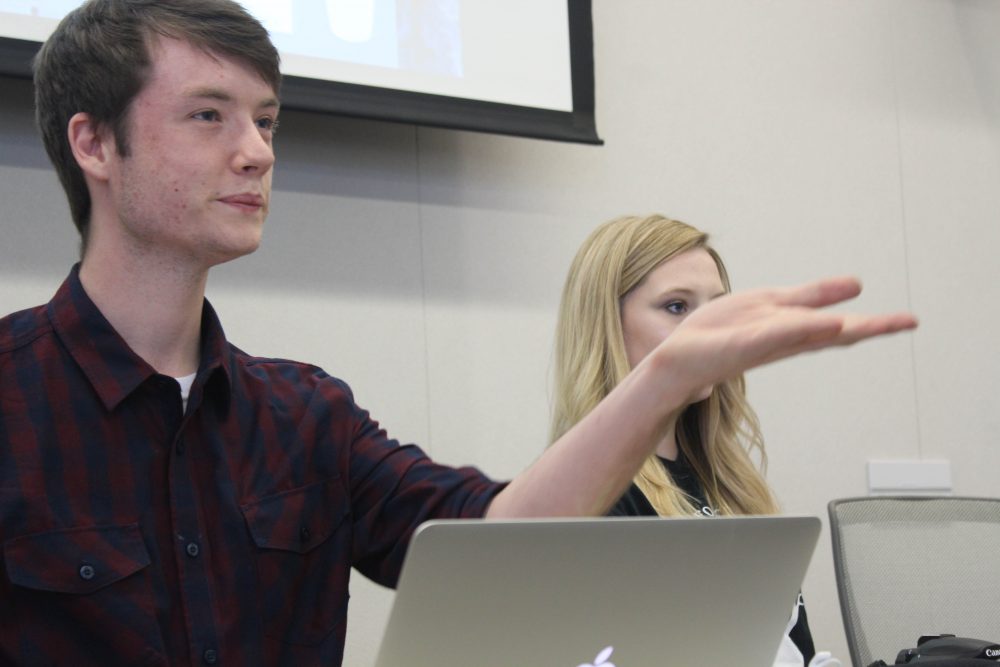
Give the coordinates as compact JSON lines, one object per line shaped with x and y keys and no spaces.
{"x":424,"y":266}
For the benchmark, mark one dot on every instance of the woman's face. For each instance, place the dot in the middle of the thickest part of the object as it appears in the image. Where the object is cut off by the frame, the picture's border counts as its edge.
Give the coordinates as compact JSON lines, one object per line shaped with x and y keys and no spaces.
{"x":668,"y":294}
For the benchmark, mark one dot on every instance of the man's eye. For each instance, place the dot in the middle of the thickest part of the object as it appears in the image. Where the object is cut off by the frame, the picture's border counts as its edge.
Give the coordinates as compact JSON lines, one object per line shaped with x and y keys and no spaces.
{"x":209,"y":115}
{"x":268,"y":124}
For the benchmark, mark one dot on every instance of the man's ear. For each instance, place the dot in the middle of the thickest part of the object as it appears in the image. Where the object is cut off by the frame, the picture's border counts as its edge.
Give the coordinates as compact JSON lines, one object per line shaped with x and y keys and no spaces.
{"x":93,"y":146}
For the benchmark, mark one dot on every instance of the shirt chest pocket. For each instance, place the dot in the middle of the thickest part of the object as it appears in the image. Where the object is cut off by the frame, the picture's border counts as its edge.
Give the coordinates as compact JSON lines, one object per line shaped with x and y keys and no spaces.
{"x":88,"y":587}
{"x":303,"y":553}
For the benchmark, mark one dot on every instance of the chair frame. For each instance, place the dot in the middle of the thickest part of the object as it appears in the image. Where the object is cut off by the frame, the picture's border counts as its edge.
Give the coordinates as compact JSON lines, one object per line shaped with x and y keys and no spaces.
{"x":840,"y":566}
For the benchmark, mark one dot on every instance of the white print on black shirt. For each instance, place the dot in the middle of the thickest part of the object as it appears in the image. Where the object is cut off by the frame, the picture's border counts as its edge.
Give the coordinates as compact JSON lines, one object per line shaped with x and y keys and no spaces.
{"x":704,"y":511}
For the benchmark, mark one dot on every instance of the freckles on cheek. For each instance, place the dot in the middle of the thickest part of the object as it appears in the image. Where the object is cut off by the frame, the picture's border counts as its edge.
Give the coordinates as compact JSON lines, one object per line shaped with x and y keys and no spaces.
{"x":174,"y":203}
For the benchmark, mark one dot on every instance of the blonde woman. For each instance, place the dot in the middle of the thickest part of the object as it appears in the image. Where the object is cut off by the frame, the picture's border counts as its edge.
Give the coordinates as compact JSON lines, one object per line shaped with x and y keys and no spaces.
{"x":634,"y":280}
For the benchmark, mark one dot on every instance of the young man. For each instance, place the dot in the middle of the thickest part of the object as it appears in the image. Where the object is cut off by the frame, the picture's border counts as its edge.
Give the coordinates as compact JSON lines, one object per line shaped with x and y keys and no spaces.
{"x":166,"y":498}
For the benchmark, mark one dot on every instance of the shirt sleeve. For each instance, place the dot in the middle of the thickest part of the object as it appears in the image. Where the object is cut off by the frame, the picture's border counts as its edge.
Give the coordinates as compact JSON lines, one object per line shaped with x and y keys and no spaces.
{"x":394,"y":488}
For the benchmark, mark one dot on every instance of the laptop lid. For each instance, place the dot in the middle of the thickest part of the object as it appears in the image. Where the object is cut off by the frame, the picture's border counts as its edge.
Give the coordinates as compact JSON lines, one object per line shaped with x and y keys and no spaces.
{"x":622,"y":592}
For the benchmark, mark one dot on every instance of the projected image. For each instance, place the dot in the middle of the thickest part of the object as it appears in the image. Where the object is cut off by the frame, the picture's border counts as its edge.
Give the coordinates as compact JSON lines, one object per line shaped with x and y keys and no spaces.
{"x":421,"y":35}
{"x":50,"y":9}
{"x":430,"y":36}
{"x":430,"y":62}
{"x":415,"y":35}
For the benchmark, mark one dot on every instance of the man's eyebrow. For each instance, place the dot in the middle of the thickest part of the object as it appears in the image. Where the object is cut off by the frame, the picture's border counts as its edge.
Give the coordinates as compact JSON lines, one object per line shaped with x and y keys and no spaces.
{"x":221,"y":95}
{"x":210,"y":93}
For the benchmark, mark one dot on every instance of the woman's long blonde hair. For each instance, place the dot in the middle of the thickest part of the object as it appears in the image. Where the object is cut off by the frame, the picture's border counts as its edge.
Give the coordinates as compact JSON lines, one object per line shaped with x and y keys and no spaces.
{"x":716,"y":435}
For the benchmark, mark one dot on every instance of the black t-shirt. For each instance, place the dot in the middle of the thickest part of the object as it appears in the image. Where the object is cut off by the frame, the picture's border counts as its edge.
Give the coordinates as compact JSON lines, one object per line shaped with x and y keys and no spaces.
{"x":635,"y":503}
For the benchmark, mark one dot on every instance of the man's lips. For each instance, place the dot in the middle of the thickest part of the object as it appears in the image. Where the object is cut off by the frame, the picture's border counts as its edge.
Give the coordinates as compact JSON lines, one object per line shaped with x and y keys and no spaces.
{"x":246,"y":201}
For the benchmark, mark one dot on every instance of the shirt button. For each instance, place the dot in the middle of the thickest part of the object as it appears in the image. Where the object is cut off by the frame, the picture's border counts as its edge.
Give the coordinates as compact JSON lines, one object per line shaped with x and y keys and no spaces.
{"x":304,"y":534}
{"x":210,"y":656}
{"x":192,"y":549}
{"x":87,"y":572}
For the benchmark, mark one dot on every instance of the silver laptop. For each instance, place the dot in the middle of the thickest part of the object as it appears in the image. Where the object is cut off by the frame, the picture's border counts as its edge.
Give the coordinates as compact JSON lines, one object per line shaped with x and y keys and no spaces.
{"x":623,"y":592}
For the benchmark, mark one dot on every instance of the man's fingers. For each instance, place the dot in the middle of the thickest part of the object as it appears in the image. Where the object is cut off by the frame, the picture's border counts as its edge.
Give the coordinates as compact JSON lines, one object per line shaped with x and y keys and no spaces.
{"x":788,"y":334}
{"x":832,"y":330}
{"x":820,"y":293}
{"x":750,"y":329}
{"x":860,"y":327}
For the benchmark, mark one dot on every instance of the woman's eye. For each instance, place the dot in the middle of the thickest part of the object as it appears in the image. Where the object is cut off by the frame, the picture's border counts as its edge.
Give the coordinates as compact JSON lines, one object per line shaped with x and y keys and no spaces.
{"x":676,"y":307}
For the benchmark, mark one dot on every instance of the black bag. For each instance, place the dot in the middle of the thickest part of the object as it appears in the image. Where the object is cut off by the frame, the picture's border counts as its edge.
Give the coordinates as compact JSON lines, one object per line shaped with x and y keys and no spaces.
{"x":948,"y":651}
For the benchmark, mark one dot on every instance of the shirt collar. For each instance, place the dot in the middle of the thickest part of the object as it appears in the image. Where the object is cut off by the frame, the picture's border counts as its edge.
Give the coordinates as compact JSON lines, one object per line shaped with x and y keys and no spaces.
{"x":216,"y":353}
{"x":112,"y":368}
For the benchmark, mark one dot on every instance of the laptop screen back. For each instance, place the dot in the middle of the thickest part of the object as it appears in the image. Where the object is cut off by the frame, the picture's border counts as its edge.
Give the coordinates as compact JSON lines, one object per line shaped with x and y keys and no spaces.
{"x":628,"y":592}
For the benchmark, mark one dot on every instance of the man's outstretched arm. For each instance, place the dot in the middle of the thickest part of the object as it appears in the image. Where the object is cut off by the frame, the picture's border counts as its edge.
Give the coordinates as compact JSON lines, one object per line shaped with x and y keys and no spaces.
{"x":590,"y":466}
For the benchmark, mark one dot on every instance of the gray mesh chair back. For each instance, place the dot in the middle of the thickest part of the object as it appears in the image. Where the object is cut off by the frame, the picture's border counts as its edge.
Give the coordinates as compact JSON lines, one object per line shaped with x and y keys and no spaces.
{"x":912,"y":566}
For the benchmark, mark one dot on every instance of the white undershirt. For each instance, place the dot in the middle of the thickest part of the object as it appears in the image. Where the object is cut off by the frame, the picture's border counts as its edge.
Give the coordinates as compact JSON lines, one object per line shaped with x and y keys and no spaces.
{"x":185,"y":383}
